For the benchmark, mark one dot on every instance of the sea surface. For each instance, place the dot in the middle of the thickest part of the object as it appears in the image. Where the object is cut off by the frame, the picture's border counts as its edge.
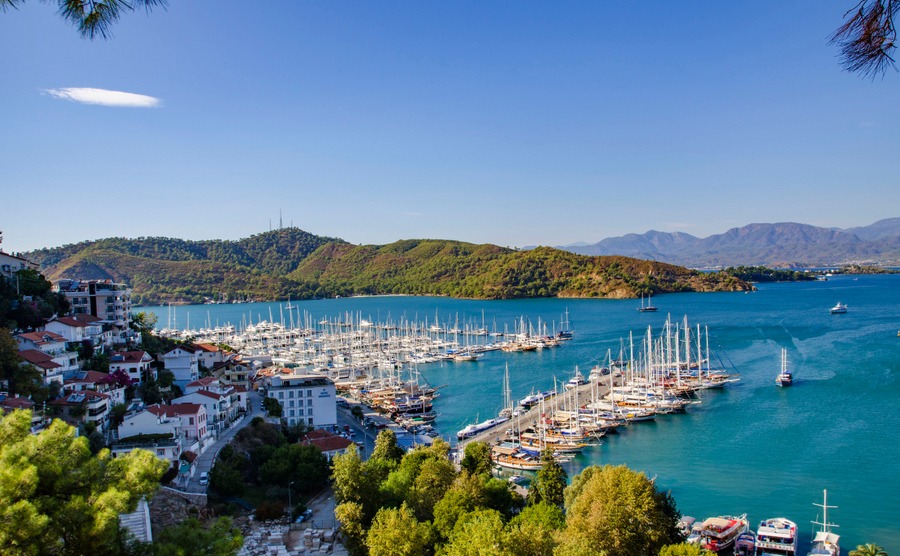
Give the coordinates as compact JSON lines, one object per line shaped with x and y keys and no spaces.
{"x":753,"y":448}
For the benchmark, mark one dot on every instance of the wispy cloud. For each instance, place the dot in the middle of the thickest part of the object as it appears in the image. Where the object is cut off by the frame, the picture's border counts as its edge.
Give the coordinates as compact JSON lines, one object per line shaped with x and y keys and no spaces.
{"x":103,"y":97}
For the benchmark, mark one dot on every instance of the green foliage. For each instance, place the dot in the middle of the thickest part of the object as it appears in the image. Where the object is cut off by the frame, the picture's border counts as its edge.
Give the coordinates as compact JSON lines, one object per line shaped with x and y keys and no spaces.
{"x":396,"y":532}
{"x":21,"y":379}
{"x":191,"y":537}
{"x":550,"y":482}
{"x":386,"y":447}
{"x":477,"y":458}
{"x":434,"y":478}
{"x":291,"y":262}
{"x":619,"y":513}
{"x":533,"y":531}
{"x":353,"y":531}
{"x":305,"y":466}
{"x":764,"y":274}
{"x":27,"y":302}
{"x":465,"y":495}
{"x":479,"y":533}
{"x":684,"y":549}
{"x":272,"y":407}
{"x":357,"y":412}
{"x":869,"y":549}
{"x":226,"y":479}
{"x":58,"y":498}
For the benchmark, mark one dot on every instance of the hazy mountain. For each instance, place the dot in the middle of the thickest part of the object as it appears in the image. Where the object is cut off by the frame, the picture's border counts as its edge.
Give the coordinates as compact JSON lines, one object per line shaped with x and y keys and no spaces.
{"x":779,"y":244}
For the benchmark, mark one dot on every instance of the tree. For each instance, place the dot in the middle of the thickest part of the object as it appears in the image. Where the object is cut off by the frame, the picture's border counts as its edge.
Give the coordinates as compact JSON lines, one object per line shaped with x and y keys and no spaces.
{"x":479,"y":534}
{"x":353,"y":531}
{"x":272,"y":407}
{"x":386,"y":447}
{"x":93,"y":18}
{"x":434,"y":478}
{"x":57,"y":498}
{"x":532,"y":531}
{"x":395,"y":532}
{"x":619,"y":513}
{"x":869,"y":549}
{"x":20,"y":379}
{"x":304,"y":466}
{"x":357,"y":412}
{"x":465,"y":495}
{"x":868,"y":38}
{"x":477,"y":458}
{"x":550,"y":482}
{"x":219,"y":538}
{"x":684,"y":549}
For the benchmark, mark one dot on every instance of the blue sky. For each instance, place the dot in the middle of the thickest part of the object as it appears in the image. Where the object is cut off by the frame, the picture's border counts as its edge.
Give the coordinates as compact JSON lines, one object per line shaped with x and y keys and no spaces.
{"x":514,"y":123}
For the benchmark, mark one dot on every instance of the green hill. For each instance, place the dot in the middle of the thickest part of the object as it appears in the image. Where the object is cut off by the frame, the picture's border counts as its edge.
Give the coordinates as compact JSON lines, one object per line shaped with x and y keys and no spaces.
{"x":279,"y":263}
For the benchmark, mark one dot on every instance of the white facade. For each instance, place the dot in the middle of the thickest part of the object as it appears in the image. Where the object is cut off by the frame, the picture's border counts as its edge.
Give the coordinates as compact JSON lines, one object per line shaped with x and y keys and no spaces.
{"x":183,"y":363}
{"x":10,"y":264}
{"x":135,"y":363}
{"x":147,"y":422}
{"x":307,"y":399}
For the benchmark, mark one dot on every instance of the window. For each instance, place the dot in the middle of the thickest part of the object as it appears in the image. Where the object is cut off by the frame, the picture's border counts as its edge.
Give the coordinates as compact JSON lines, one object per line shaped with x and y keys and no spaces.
{"x":281,"y":395}
{"x":310,"y":421}
{"x":300,"y":403}
{"x":292,"y":403}
{"x":291,"y":413}
{"x":191,"y":421}
{"x":160,"y":452}
{"x":309,"y":393}
{"x":291,"y":394}
{"x":309,"y":411}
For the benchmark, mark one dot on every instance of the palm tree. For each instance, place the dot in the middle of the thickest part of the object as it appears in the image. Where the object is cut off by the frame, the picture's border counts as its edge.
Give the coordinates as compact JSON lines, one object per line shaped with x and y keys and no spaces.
{"x":869,"y":549}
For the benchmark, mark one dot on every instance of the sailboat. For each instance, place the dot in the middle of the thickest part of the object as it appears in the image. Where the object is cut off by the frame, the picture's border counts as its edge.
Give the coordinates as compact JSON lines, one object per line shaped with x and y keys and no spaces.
{"x":825,"y":543}
{"x":648,"y":308}
{"x":784,"y":378}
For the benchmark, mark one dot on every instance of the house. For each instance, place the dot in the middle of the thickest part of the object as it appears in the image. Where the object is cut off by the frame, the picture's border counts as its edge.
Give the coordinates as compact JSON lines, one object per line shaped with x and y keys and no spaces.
{"x":135,"y":363}
{"x":85,"y":406}
{"x":51,"y":370}
{"x":51,"y":344}
{"x":97,"y":382}
{"x":159,"y":434}
{"x":193,"y":419}
{"x":330,"y":443}
{"x":236,"y":371}
{"x":221,"y":405}
{"x":306,"y":399}
{"x":104,"y":299}
{"x":78,"y":328}
{"x":10,"y":263}
{"x":12,"y":403}
{"x":210,"y":355}
{"x":184,"y":364}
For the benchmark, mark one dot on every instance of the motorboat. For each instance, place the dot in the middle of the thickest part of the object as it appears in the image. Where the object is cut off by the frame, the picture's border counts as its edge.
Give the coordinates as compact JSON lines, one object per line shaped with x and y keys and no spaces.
{"x":745,"y":544}
{"x":839,"y":309}
{"x":776,"y":536}
{"x":717,"y":534}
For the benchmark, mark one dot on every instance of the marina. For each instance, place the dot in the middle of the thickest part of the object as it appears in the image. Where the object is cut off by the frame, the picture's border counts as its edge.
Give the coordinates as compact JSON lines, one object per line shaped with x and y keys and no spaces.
{"x":782,"y":445}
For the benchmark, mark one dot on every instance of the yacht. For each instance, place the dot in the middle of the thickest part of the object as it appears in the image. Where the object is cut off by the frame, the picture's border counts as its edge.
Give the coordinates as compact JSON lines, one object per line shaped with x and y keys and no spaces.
{"x":745,"y":544}
{"x":717,"y":534}
{"x":839,"y":309}
{"x":776,"y":537}
{"x":785,"y":378}
{"x":825,"y":542}
{"x":648,"y":308}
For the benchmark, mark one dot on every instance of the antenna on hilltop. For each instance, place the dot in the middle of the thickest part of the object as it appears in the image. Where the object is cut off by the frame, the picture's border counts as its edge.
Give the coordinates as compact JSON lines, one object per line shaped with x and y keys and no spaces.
{"x":280,"y":226}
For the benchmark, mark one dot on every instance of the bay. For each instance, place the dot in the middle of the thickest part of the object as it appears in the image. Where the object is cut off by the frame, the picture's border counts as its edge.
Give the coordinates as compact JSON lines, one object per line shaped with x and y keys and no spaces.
{"x":753,"y":448}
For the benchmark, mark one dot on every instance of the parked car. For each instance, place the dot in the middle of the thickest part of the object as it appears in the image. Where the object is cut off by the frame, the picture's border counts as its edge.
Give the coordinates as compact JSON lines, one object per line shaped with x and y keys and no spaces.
{"x":305,"y":516}
{"x":204,"y":478}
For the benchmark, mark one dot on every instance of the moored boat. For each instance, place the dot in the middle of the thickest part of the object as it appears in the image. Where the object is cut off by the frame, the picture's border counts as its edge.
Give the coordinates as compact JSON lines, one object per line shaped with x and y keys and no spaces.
{"x":776,"y":537}
{"x":745,"y":544}
{"x":825,"y":542}
{"x":472,"y":430}
{"x":717,"y":534}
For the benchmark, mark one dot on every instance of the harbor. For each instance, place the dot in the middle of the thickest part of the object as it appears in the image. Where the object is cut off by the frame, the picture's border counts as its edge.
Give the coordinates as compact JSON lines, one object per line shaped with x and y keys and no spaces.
{"x":751,"y":447}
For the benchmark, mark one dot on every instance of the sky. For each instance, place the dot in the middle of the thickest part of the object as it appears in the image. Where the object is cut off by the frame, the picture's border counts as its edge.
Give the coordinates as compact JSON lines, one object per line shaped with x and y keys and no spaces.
{"x":512,"y":123}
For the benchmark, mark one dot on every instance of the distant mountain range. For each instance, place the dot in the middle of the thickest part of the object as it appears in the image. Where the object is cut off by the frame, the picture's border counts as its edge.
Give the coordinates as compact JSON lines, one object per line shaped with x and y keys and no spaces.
{"x":784,"y":245}
{"x":291,"y":262}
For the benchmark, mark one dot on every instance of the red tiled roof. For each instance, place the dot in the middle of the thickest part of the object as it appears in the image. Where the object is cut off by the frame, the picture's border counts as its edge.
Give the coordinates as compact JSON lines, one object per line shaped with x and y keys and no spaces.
{"x":328,"y":444}
{"x":68,"y":399}
{"x":86,"y":318}
{"x":207,"y":347}
{"x":205,"y":381}
{"x":92,"y":377}
{"x":209,"y":394}
{"x":17,"y":403}
{"x":42,"y":337}
{"x":189,"y":456}
{"x":70,"y":321}
{"x":39,"y":358}
{"x":132,"y":356}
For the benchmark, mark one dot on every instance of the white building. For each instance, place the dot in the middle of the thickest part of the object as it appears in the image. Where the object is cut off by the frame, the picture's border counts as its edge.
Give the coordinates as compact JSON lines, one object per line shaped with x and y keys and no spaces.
{"x":78,"y":328}
{"x":193,"y":419}
{"x":184,"y":364}
{"x":307,"y":399}
{"x":10,"y":264}
{"x":135,"y":363}
{"x":52,"y":345}
{"x":148,"y":423}
{"x":105,"y":299}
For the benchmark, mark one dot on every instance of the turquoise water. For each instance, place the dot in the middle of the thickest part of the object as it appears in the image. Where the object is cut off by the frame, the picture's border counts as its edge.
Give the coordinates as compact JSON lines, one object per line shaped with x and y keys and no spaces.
{"x":753,"y":448}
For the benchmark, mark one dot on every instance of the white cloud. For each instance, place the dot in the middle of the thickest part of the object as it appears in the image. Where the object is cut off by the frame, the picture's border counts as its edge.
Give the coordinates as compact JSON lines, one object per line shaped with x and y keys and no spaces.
{"x":103,"y":97}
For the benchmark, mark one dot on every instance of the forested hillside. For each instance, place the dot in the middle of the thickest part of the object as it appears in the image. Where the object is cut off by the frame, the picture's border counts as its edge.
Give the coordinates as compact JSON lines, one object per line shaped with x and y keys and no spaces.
{"x":291,"y":262}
